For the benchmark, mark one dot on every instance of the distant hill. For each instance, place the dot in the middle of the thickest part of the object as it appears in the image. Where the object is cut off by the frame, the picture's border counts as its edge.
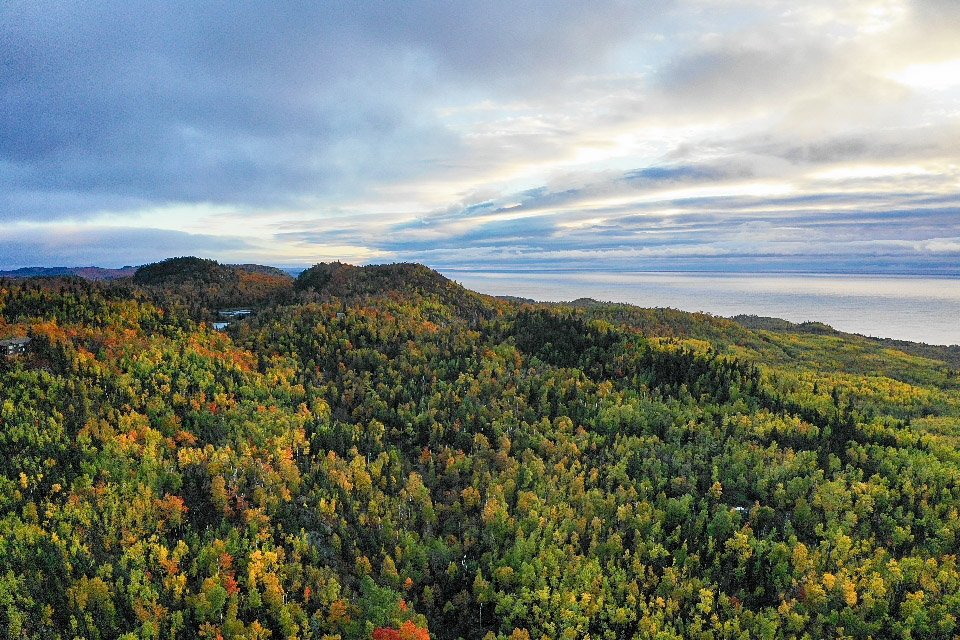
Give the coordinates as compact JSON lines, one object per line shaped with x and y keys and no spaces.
{"x":204,"y":286}
{"x":172,"y":268}
{"x":517,"y":299}
{"x":768,"y":323}
{"x":193,"y":269}
{"x":948,"y":354}
{"x":185,"y":269}
{"x":87,"y":273}
{"x":263,"y":270}
{"x":340,"y":280}
{"x":811,"y":346}
{"x":665,"y":322}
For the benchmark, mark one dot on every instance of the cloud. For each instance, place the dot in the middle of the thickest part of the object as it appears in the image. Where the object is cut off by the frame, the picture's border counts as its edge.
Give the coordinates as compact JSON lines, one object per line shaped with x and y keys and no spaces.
{"x":683,"y":134}
{"x":112,"y":103}
{"x":105,"y":246}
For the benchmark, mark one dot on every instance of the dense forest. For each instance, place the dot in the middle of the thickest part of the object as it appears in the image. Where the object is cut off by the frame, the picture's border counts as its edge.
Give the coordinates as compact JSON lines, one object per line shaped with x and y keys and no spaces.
{"x":377,"y":452}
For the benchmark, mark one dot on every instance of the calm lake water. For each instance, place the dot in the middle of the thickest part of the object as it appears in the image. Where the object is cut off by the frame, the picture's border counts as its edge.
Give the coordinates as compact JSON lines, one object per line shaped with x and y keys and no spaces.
{"x":922,"y":309}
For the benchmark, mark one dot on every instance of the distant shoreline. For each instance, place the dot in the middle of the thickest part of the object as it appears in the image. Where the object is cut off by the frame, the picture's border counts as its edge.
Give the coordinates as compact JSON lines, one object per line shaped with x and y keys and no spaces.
{"x":915,"y":308}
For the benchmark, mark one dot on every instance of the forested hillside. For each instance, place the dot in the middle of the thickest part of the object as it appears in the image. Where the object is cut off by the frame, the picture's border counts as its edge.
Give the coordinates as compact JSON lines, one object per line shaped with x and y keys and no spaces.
{"x":89,"y":273}
{"x":379,"y":453}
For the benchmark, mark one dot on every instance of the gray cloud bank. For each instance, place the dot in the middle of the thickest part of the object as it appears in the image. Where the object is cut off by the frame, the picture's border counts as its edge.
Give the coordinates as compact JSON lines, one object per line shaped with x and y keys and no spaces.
{"x":109,"y":104}
{"x":114,"y":246}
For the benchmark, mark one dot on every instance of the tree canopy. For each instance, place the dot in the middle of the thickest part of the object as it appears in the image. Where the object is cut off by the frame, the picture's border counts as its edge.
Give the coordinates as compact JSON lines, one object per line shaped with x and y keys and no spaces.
{"x":380,"y":453}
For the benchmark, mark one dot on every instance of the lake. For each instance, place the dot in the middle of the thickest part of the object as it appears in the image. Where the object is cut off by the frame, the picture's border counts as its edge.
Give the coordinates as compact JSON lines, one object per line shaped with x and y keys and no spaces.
{"x":917,"y":308}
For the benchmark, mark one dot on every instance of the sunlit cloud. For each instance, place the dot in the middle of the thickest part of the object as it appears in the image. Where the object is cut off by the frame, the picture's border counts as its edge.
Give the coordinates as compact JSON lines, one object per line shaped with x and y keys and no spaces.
{"x":936,"y":75}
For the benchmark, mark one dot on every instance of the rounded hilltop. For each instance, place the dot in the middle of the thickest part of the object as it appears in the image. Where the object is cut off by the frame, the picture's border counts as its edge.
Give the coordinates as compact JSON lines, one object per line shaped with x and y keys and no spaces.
{"x":344,"y":280}
{"x":340,"y":280}
{"x":200,"y":270}
{"x":205,"y":286}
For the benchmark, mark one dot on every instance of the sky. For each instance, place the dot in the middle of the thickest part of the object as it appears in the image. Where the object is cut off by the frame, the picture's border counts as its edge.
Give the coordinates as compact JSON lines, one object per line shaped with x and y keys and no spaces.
{"x":729,"y":135}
